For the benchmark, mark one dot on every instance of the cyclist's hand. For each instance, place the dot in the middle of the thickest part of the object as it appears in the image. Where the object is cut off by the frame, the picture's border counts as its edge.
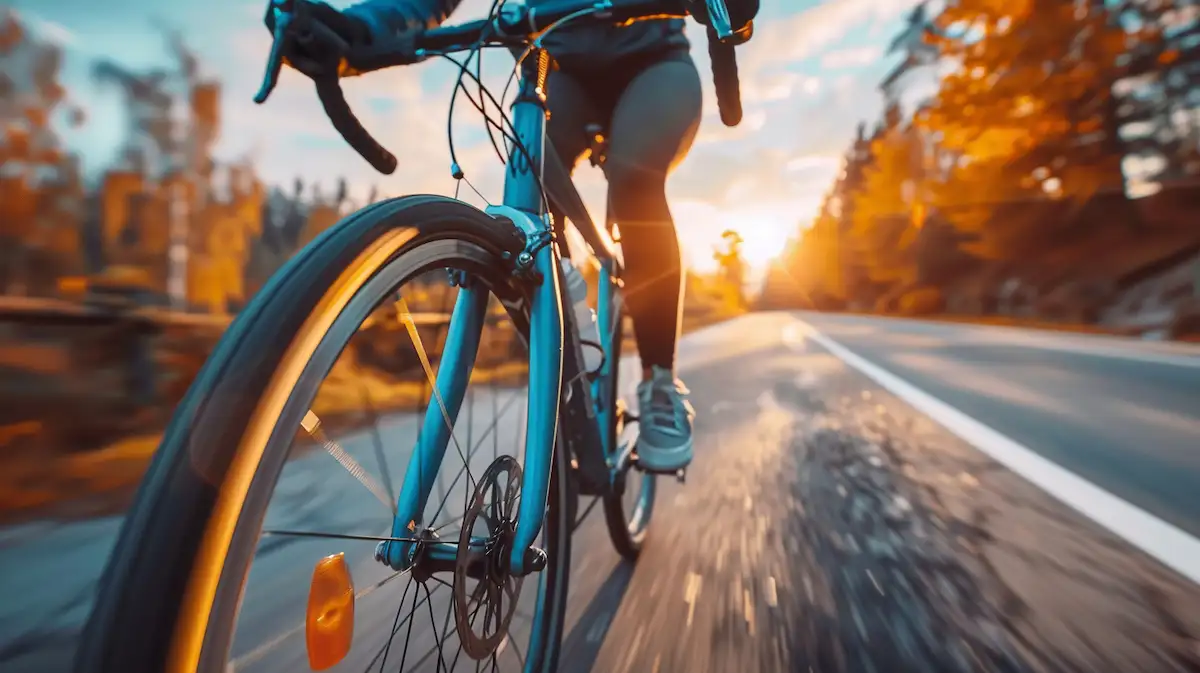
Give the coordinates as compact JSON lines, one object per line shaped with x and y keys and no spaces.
{"x":325,"y":42}
{"x":741,"y":16}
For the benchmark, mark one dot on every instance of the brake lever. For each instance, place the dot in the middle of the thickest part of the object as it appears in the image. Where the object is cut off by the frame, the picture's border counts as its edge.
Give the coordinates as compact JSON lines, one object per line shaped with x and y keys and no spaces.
{"x":718,"y":19}
{"x":283,"y":36}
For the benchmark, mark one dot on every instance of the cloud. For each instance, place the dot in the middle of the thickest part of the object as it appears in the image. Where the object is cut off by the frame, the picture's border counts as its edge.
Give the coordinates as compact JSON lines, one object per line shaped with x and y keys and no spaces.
{"x":807,"y":33}
{"x":50,"y":31}
{"x":850,"y":58}
{"x":790,"y":147}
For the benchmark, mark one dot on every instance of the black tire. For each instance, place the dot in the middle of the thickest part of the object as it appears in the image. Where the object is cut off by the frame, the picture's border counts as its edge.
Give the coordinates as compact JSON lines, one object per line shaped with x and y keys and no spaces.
{"x":627,"y":538}
{"x":169,"y":597}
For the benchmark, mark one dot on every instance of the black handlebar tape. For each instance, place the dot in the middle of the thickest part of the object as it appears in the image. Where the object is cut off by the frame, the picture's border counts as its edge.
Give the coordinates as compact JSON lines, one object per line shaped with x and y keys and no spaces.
{"x":725,"y":80}
{"x":338,"y":111}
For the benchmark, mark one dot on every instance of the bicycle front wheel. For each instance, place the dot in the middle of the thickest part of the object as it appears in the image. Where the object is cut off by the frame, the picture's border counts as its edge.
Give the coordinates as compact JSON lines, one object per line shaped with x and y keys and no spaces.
{"x":205,"y":523}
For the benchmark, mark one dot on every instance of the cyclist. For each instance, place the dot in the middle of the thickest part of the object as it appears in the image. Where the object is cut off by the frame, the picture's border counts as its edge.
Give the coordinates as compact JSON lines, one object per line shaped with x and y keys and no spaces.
{"x":640,"y":83}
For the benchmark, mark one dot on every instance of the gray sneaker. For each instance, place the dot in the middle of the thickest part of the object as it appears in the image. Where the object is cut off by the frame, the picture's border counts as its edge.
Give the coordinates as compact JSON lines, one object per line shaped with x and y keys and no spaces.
{"x":665,"y":423}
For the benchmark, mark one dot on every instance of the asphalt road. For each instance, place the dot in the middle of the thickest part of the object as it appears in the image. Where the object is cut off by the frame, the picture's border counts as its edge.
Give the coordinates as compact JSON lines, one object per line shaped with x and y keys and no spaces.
{"x":826,"y":525}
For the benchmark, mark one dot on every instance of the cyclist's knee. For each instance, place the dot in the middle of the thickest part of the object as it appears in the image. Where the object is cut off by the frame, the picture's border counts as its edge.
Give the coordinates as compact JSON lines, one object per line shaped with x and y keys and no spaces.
{"x":630,"y":181}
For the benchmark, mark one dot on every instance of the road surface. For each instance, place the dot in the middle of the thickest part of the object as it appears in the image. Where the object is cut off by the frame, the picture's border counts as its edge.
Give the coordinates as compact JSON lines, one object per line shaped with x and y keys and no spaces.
{"x":834,"y":519}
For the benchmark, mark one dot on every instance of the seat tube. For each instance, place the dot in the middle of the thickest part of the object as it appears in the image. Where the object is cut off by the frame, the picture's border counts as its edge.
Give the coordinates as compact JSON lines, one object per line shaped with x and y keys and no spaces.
{"x":523,"y":191}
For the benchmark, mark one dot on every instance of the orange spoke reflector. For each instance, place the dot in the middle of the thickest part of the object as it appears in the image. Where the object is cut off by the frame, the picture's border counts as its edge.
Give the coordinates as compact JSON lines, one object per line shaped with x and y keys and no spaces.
{"x":329,"y":622}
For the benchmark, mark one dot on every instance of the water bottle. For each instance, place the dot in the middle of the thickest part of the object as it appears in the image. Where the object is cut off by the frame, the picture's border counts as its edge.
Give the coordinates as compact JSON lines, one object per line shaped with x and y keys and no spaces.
{"x":585,"y":317}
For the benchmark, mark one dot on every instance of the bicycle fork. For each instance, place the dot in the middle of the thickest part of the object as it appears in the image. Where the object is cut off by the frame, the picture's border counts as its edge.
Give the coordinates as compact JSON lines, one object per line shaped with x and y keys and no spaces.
{"x":436,"y":435}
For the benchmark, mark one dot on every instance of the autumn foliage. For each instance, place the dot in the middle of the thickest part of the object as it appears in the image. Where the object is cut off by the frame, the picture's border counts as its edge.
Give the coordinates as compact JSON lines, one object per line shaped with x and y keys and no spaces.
{"x":1060,"y":149}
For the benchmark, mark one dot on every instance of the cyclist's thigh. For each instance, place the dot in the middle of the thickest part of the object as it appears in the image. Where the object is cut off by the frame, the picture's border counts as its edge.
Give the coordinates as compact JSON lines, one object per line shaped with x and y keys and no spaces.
{"x":655,"y":120}
{"x":572,"y":108}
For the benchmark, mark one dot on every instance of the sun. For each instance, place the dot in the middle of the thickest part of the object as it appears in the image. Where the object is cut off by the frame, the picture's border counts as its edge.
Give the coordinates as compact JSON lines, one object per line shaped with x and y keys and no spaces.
{"x":763,"y":239}
{"x":765,"y":233}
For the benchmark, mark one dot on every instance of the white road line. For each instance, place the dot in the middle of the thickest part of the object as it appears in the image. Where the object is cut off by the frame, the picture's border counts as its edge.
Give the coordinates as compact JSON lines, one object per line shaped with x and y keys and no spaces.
{"x":1083,"y":348}
{"x":1113,"y":347}
{"x":1170,"y":545}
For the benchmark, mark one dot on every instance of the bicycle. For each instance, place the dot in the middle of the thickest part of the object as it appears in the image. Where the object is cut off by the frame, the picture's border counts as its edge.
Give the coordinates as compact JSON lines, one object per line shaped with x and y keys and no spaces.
{"x":173,"y":586}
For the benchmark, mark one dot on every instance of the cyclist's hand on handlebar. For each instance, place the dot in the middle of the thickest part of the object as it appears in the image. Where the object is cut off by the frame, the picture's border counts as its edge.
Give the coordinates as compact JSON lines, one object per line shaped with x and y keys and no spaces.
{"x":324,"y":41}
{"x":325,"y":44}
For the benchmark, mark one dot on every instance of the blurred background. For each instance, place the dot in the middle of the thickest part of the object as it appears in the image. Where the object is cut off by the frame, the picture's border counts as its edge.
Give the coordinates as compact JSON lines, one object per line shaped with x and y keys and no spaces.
{"x":1019,"y":163}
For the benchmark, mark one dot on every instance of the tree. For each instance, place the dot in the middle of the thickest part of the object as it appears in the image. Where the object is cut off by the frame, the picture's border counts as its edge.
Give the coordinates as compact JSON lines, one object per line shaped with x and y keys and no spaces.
{"x":815,"y":262}
{"x":1032,"y":112}
{"x":733,"y":267}
{"x":41,"y":196}
{"x":1035,"y":88}
{"x":881,"y":221}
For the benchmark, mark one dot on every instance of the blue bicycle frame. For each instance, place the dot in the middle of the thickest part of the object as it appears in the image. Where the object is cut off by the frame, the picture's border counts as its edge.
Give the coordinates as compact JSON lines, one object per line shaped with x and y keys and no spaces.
{"x":533,"y":174}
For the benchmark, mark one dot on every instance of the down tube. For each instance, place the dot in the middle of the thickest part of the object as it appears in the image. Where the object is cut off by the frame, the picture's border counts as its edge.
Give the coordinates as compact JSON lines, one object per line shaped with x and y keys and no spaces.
{"x":454,"y":373}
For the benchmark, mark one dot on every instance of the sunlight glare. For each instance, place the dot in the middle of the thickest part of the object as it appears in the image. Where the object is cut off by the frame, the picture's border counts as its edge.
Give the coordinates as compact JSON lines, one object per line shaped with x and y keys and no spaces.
{"x":765,"y":231}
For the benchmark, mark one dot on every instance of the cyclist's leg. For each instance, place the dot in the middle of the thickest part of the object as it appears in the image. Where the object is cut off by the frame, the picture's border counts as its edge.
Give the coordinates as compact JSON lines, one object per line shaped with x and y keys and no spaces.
{"x":653,"y":124}
{"x":572,"y":108}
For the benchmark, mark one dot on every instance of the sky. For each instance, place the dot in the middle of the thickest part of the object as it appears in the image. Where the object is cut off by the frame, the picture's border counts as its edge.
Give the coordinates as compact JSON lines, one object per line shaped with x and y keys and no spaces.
{"x":809,"y":76}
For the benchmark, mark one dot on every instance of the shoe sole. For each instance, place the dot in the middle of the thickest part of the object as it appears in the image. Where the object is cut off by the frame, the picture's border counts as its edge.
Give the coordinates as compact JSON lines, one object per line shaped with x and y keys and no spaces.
{"x":683,"y":451}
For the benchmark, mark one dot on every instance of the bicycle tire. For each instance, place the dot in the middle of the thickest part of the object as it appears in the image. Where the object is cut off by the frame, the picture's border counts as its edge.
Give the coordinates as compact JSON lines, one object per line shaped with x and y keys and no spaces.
{"x":627,"y":537}
{"x":160,"y":607}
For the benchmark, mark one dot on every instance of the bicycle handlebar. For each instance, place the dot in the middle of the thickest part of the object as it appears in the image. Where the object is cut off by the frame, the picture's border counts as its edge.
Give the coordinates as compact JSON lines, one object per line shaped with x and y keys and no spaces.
{"x":329,"y":56}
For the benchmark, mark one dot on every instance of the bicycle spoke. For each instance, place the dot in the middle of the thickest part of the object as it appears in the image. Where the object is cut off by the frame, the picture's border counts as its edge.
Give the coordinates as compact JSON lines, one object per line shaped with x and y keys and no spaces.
{"x":441,"y":581}
{"x":423,"y":355}
{"x":471,"y":624}
{"x":377,"y":444}
{"x":446,"y":627}
{"x":339,"y":536}
{"x":376,"y":586}
{"x":587,"y":510}
{"x":522,"y":428}
{"x":395,"y":627}
{"x":312,"y":425}
{"x":470,"y":418}
{"x":408,"y":636}
{"x":517,"y":651}
{"x":496,"y":436}
{"x":433,"y":622}
{"x":459,"y":475}
{"x":510,"y":589}
{"x":456,"y":520}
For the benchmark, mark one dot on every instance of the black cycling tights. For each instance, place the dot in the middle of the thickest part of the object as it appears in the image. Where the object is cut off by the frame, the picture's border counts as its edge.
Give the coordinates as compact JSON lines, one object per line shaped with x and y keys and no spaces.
{"x":650,"y":109}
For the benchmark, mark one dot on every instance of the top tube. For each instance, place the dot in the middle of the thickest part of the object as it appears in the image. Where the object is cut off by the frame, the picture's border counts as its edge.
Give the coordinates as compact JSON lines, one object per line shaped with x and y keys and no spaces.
{"x":519,"y":24}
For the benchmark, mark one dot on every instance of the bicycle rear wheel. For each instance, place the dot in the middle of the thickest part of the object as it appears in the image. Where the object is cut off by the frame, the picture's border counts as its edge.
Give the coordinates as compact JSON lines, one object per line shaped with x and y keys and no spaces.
{"x":173,"y":587}
{"x":627,"y":511}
